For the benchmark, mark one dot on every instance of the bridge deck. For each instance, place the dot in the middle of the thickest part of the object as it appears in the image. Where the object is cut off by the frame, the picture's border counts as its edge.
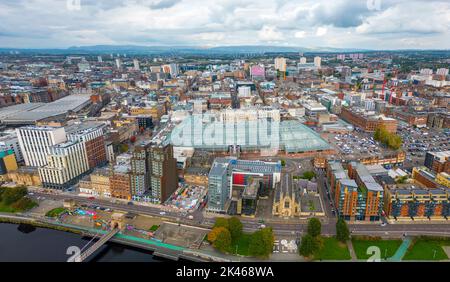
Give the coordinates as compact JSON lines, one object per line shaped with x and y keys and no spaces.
{"x":105,"y":238}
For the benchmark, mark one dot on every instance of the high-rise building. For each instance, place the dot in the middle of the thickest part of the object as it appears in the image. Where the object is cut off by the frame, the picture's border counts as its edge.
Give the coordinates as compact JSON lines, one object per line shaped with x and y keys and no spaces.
{"x":140,"y":170}
{"x":317,"y":62}
{"x":136,"y":64}
{"x":35,"y":142}
{"x":164,"y":176}
{"x":218,"y":187}
{"x":280,"y":64}
{"x":118,"y":63}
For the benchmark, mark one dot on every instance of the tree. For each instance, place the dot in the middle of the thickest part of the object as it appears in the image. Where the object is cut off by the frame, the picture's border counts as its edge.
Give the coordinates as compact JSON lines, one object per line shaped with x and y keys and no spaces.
{"x":24,"y":204}
{"x":268,"y":240}
{"x":314,"y":227}
{"x":223,"y":240}
{"x":283,"y":162}
{"x":133,"y":139}
{"x":212,"y":235}
{"x":222,"y":222}
{"x":11,"y":195}
{"x":261,"y":243}
{"x":235,"y":227}
{"x":308,"y":175}
{"x":308,"y":246}
{"x":123,"y":148}
{"x":342,"y":232}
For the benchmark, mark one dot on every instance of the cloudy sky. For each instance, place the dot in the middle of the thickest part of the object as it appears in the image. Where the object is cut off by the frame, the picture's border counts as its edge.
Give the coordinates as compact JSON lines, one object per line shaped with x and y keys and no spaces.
{"x":371,"y":24}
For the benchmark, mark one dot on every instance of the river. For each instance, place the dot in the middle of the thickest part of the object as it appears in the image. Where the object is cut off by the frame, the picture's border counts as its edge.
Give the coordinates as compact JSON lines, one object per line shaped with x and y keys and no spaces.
{"x":26,"y":243}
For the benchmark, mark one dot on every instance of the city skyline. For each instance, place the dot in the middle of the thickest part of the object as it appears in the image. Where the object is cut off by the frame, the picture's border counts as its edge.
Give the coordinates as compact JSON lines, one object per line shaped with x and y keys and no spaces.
{"x":372,"y":24}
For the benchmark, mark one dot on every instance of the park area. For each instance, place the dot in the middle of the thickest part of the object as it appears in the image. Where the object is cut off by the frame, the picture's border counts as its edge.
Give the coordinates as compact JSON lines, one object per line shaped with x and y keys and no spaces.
{"x":332,"y":249}
{"x":387,"y":247}
{"x":227,"y":237}
{"x":14,"y":199}
{"x":428,"y":249}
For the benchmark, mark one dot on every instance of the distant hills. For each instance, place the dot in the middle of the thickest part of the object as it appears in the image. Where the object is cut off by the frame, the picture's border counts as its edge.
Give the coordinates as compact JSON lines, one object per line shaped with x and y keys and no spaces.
{"x":190,"y":50}
{"x":134,"y":49}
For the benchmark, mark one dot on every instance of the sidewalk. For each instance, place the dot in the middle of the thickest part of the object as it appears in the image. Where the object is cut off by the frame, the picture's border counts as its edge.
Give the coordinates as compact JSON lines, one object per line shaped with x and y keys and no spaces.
{"x":351,"y":250}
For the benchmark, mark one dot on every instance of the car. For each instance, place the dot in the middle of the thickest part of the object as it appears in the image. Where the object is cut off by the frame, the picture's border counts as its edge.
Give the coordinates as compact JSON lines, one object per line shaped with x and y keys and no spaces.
{"x":383,"y":224}
{"x":91,"y":198}
{"x":31,"y":193}
{"x":162,"y":213}
{"x":130,"y":203}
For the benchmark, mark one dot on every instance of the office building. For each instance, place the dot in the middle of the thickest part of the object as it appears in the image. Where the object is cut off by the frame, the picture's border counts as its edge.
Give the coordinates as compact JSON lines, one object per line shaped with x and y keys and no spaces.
{"x":66,"y":164}
{"x":230,"y":183}
{"x":92,"y":137}
{"x":218,"y":186}
{"x":35,"y":142}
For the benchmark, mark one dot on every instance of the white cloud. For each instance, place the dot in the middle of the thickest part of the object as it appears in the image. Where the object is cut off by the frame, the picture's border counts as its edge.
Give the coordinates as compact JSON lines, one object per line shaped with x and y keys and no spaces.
{"x":346,"y":23}
{"x":270,"y":33}
{"x":321,"y":31}
{"x":300,"y":34}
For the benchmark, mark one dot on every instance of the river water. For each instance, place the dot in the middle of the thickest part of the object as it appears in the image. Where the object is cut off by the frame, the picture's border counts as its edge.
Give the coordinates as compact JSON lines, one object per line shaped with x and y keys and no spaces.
{"x":31,"y":244}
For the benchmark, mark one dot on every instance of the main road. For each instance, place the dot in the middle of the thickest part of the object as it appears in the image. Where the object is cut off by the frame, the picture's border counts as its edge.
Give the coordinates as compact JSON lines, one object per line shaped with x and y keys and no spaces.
{"x":280,"y":228}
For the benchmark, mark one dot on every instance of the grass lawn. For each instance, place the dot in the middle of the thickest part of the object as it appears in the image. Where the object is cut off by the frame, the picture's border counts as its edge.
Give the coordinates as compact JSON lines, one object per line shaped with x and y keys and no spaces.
{"x":425,"y":250}
{"x":242,"y":245}
{"x":333,"y":250}
{"x":154,"y":228}
{"x":360,"y":246}
{"x":5,"y":208}
{"x":55,"y":212}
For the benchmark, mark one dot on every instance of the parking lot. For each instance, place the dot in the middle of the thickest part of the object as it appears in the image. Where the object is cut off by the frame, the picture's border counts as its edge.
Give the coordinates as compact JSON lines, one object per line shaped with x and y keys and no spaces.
{"x":416,"y":142}
{"x":356,"y":144}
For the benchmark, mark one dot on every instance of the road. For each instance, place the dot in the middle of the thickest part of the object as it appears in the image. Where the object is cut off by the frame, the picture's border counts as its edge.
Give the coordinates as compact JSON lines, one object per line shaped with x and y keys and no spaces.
{"x":280,"y":228}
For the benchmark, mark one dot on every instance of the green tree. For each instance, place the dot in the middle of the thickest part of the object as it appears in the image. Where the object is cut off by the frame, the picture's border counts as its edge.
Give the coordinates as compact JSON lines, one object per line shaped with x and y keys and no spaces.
{"x":308,"y":246}
{"x":314,"y":227}
{"x":12,"y":195}
{"x":308,"y":175}
{"x":212,"y":235}
{"x":261,"y":243}
{"x":222,"y":222}
{"x":342,"y":232}
{"x":268,"y":240}
{"x":223,"y":240}
{"x":283,"y":162}
{"x":235,"y":227}
{"x":24,"y":204}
